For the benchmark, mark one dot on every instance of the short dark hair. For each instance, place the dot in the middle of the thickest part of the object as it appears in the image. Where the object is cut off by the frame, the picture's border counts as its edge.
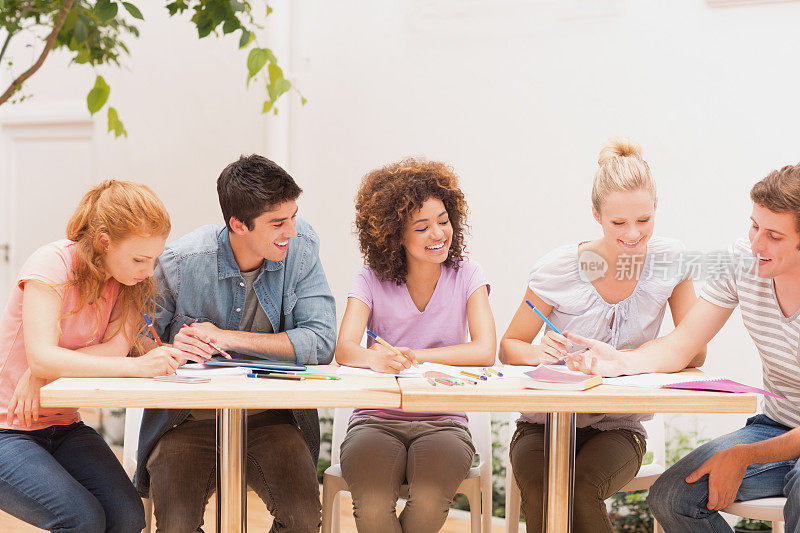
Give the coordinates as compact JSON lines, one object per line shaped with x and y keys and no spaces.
{"x":252,"y":185}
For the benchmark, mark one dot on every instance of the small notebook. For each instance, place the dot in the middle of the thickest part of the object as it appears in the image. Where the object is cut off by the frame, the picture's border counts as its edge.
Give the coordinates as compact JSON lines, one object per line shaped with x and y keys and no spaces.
{"x":720,"y":385}
{"x":261,"y":364}
{"x":546,"y":378}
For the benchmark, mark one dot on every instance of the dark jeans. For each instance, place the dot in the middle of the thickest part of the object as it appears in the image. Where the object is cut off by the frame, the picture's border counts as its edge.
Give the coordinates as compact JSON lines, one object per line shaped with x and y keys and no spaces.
{"x":681,"y":506}
{"x":604,"y":462}
{"x":280,"y":469}
{"x":66,"y":479}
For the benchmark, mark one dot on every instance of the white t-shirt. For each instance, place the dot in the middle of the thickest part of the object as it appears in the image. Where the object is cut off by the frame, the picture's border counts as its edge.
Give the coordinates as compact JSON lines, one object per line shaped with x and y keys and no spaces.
{"x":578,"y":308}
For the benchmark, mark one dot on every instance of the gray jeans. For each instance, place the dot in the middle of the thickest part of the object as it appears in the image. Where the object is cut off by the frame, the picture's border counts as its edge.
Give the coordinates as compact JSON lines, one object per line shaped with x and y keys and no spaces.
{"x":379,"y":455}
{"x":280,"y":470}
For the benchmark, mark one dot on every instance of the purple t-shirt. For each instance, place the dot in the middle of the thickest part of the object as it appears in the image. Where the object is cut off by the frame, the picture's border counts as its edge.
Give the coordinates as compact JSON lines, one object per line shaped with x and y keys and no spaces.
{"x":394,"y":317}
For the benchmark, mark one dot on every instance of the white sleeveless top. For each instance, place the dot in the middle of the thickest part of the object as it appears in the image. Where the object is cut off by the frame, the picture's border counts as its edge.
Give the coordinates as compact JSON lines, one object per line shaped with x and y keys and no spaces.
{"x":578,"y":308}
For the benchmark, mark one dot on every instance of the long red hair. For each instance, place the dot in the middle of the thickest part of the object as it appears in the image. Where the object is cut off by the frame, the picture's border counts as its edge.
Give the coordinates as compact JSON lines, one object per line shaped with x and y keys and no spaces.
{"x":119,"y":209}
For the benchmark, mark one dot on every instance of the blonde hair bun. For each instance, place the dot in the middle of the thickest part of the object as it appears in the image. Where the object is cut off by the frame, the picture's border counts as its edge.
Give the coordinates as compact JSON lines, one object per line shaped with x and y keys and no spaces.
{"x":621,"y":168}
{"x":619,"y":147}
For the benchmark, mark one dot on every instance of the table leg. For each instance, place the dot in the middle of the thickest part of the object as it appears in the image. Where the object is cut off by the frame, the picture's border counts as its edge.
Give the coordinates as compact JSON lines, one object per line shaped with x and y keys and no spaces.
{"x":231,"y":464}
{"x":559,"y":443}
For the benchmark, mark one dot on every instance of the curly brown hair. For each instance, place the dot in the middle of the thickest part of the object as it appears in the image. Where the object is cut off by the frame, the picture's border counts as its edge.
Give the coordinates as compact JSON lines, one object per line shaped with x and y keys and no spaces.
{"x":386,"y":198}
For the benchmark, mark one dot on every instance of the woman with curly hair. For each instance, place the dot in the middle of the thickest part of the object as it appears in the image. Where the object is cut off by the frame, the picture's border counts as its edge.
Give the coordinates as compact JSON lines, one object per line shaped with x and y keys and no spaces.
{"x":419,"y":292}
{"x":76,"y":310}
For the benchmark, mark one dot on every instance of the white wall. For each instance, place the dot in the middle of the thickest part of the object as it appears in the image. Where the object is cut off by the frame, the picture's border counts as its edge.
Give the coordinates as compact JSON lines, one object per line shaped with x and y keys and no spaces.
{"x":518,"y":95}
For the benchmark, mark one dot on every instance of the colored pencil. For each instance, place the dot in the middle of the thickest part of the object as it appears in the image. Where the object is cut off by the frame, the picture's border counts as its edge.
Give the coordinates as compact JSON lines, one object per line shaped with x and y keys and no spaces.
{"x":470,"y":374}
{"x":546,"y":321}
{"x":213,"y":345}
{"x":152,"y":329}
{"x":392,"y":348}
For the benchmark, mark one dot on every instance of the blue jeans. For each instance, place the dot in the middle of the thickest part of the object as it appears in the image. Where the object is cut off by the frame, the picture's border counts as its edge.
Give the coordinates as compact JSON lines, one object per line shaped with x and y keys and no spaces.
{"x":66,"y":479}
{"x":679,"y":506}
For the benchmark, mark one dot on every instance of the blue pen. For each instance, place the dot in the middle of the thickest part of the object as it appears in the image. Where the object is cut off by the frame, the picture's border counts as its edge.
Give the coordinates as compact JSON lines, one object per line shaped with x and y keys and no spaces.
{"x":552,"y":326}
{"x":541,"y":315}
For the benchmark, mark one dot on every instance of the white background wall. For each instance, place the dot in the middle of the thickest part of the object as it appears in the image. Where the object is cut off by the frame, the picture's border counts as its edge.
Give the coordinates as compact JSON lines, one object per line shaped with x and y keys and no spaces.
{"x":519,"y":96}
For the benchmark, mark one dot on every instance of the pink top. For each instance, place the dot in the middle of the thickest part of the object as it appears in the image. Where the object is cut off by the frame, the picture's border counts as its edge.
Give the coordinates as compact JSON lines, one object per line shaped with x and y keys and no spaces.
{"x":395,"y":318}
{"x":51,"y":264}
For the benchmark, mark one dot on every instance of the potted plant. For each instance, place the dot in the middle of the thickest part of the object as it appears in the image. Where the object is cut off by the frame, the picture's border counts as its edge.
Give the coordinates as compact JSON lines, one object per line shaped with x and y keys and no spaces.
{"x":748,"y":525}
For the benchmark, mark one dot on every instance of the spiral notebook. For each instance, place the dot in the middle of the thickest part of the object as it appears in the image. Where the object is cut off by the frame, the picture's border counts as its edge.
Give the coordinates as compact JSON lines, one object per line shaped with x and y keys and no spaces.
{"x":720,"y":385}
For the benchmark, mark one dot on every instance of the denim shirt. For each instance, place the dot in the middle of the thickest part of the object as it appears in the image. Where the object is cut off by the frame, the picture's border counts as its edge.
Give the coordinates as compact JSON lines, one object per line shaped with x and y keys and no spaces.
{"x":198,"y":279}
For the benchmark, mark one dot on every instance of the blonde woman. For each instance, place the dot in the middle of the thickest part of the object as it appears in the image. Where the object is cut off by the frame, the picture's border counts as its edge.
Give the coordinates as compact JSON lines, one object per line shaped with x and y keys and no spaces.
{"x":606,"y":289}
{"x":76,"y":310}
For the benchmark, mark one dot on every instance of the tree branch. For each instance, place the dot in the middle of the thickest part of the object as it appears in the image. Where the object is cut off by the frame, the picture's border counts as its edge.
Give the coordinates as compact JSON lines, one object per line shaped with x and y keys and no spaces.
{"x":5,"y":45}
{"x":51,"y":39}
{"x":22,"y":16}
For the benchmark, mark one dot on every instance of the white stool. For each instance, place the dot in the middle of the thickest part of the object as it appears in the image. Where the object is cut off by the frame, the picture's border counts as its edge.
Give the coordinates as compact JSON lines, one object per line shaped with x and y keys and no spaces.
{"x":770,"y":509}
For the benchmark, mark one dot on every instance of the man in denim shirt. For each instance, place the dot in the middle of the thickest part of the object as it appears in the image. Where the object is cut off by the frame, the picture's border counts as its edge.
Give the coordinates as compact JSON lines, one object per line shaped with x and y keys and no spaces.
{"x":255,"y":287}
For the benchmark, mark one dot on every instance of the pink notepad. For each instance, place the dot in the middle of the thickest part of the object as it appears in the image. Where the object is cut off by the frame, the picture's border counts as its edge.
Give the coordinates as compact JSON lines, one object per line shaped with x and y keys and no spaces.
{"x":546,"y":378}
{"x":720,"y":385}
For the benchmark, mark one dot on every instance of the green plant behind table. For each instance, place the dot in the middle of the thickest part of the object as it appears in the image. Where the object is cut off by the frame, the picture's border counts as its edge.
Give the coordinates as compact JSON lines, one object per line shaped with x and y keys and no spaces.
{"x":96,"y":32}
{"x":749,"y":524}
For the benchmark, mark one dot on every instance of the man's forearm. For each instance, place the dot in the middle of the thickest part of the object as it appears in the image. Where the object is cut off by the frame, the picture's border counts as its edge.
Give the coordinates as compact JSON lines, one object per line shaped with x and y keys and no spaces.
{"x":262,"y":343}
{"x":784,"y":447}
{"x":658,"y":355}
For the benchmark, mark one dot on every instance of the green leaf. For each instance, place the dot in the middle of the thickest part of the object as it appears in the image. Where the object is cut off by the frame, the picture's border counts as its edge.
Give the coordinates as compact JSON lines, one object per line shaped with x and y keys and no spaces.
{"x":83,"y":56}
{"x":275,"y":73}
{"x":230,"y":26}
{"x":267,"y":106}
{"x":106,"y":10}
{"x":255,"y":61}
{"x":80,"y":32}
{"x":98,"y":96}
{"x":246,"y":38}
{"x":113,"y":118}
{"x":269,"y":10}
{"x":277,"y":88}
{"x":133,"y":10}
{"x":303,"y":100}
{"x":115,"y":124}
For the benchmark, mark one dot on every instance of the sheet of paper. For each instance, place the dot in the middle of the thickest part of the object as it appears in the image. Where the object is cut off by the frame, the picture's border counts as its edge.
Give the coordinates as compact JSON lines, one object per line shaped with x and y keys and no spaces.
{"x":413,"y":372}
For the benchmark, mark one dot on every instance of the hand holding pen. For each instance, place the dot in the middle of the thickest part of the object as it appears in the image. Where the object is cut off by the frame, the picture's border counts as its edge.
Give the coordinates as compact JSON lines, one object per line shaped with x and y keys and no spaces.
{"x":192,"y":339}
{"x":389,"y":358}
{"x":554,"y":346}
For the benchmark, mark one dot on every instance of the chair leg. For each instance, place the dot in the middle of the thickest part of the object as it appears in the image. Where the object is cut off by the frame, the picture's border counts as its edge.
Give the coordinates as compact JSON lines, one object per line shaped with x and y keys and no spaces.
{"x":148,"y":515}
{"x":330,"y":509}
{"x":777,"y":527}
{"x":512,"y":506}
{"x":474,"y":498}
{"x":486,"y":509}
{"x":336,"y":522}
